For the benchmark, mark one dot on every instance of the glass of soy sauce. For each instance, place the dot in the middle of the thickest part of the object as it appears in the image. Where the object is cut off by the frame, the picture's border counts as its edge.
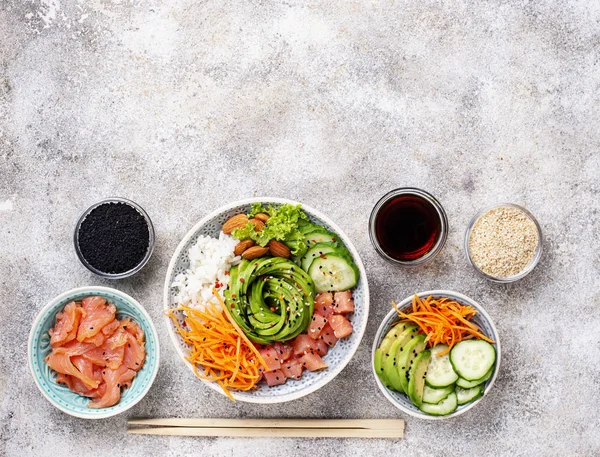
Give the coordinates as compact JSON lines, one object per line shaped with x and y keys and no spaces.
{"x":408,"y":227}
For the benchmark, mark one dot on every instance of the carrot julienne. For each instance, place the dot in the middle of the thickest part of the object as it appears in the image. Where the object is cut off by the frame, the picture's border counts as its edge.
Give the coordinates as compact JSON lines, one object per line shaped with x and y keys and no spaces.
{"x":222,"y":350}
{"x":443,"y":321}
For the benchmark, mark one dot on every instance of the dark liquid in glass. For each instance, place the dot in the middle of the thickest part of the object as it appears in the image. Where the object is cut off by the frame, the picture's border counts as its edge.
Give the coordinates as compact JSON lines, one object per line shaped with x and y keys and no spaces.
{"x":407,"y":227}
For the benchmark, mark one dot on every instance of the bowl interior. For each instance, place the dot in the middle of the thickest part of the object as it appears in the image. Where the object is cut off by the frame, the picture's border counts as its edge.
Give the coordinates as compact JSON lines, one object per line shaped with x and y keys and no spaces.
{"x":336,"y":358}
{"x":481,"y":319}
{"x":59,"y":395}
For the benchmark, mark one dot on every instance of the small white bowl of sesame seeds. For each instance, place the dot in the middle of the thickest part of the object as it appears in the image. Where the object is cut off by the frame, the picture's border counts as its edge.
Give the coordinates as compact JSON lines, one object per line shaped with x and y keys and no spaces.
{"x":504,"y":242}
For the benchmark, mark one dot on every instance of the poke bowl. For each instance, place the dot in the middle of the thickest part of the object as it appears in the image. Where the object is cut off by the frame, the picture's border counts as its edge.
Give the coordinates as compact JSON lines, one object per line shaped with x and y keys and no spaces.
{"x":39,"y":347}
{"x":450,"y":395}
{"x":185,"y":268}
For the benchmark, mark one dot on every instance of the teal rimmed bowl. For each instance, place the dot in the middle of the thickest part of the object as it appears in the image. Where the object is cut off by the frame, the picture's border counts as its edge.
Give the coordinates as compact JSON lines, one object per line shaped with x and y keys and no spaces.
{"x":39,"y":347}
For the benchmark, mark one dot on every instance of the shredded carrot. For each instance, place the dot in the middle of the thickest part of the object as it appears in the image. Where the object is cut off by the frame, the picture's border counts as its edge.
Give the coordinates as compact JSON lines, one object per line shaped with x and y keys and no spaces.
{"x":219,"y":347}
{"x":443,"y":320}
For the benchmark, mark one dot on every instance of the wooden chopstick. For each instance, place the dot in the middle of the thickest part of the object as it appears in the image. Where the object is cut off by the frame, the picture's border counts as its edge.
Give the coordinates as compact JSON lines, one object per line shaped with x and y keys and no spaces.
{"x":298,"y":428}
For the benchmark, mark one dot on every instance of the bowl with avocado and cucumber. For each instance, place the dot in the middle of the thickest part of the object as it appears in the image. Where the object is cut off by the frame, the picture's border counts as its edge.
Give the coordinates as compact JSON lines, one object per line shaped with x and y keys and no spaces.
{"x":436,"y":354}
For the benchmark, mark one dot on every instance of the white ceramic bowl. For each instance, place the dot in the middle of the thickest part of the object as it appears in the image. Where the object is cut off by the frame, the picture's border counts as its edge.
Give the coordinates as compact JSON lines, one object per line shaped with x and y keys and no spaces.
{"x":337,"y":357}
{"x":481,"y":319}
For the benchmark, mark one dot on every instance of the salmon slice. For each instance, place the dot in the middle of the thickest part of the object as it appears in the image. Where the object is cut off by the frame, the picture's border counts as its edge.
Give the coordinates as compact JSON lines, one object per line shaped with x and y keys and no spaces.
{"x":106,"y":357}
{"x":135,"y":353}
{"x":61,"y":363}
{"x":117,"y":339}
{"x":134,"y":329}
{"x":74,"y":348}
{"x":67,"y":323}
{"x":97,"y":315}
{"x":87,"y":368}
{"x":114,"y":379}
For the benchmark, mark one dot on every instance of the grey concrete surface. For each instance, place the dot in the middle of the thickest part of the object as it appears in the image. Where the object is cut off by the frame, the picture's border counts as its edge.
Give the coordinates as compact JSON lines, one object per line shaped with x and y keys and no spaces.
{"x":184,"y":106}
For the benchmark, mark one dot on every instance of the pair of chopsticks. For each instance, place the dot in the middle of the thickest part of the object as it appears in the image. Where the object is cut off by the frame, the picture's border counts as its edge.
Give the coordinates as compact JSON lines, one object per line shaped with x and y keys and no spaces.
{"x":280,"y":428}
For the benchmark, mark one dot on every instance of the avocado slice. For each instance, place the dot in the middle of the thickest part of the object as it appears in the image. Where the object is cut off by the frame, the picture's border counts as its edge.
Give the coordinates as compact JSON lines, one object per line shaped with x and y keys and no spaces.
{"x":409,"y":353}
{"x":379,"y":368}
{"x":416,"y":383}
{"x":384,"y":347}
{"x":390,"y":366}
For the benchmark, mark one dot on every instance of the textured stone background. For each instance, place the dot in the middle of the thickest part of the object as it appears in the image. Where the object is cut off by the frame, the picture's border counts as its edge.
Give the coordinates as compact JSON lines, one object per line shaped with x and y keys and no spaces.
{"x":184,"y":106}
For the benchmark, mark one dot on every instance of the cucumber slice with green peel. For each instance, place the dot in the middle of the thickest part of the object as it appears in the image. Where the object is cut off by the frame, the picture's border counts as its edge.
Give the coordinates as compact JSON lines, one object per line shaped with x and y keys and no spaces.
{"x":468,"y":384}
{"x":465,"y":396}
{"x":321,"y":250}
{"x":472,"y":359}
{"x":416,"y":383}
{"x":333,"y":273}
{"x":440,"y":372}
{"x":434,"y":396}
{"x":408,"y":354}
{"x":447,"y":406}
{"x":320,"y":235}
{"x":379,"y":368}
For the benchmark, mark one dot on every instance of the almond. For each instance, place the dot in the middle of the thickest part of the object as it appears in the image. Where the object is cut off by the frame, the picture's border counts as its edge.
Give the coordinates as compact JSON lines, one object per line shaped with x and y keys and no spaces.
{"x":235,"y":222}
{"x":258,"y":224}
{"x":278,"y":249}
{"x":262,"y":217}
{"x":254,"y":252}
{"x":242,"y":246}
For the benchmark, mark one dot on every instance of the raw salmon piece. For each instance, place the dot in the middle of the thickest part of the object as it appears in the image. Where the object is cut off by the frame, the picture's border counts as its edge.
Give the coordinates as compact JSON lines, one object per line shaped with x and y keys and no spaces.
{"x":292,"y":369}
{"x":114,"y":379}
{"x":316,"y":325}
{"x":275,"y":378}
{"x":135,"y":353}
{"x":343,"y":302}
{"x":117,"y":339}
{"x":61,"y":363}
{"x":87,"y":368}
{"x":74,"y":348}
{"x":284,"y":351}
{"x":106,"y":357}
{"x":324,"y":304}
{"x":328,"y":336}
{"x":97,"y":340}
{"x":111,"y":328}
{"x":312,"y":362}
{"x":341,"y":326}
{"x":97,"y":315}
{"x":303,"y":344}
{"x":67,"y":323}
{"x":134,"y":329}
{"x":271,"y":357}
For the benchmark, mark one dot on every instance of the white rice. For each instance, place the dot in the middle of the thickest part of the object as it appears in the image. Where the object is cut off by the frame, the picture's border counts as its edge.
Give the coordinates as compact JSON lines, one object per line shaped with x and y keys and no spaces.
{"x":210,"y":258}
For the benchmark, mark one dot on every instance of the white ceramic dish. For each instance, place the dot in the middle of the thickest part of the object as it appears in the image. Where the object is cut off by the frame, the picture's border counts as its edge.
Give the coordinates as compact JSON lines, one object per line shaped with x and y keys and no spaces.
{"x":337,"y":358}
{"x":481,"y":319}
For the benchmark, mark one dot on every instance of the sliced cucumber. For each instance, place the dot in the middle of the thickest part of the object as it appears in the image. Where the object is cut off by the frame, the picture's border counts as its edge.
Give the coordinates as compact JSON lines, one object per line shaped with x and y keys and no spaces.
{"x":416,"y":383}
{"x":320,"y":250}
{"x":446,"y":406}
{"x":333,"y":273}
{"x":472,"y":359}
{"x":408,"y":354}
{"x":465,"y":396}
{"x":320,"y":235}
{"x":440,"y":372}
{"x":434,"y":396}
{"x":468,"y":384}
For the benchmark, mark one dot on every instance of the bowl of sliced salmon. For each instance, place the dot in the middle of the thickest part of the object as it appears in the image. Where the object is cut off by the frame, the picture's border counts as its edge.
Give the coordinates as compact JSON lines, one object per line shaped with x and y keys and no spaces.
{"x":93,"y":352}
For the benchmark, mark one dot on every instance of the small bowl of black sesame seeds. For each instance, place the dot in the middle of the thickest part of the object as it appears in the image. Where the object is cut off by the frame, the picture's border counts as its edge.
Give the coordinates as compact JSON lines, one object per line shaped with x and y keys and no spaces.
{"x":114,"y":238}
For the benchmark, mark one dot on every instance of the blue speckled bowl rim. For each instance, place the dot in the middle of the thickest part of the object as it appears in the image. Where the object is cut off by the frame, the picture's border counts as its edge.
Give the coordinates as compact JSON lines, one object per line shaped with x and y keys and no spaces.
{"x":113,"y":411}
{"x":332,"y":371}
{"x":389,"y":318}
